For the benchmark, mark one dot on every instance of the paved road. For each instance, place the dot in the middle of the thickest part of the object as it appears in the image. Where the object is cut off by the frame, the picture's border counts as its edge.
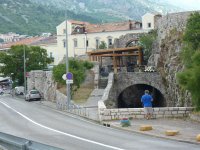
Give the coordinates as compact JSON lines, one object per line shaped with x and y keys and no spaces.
{"x":42,"y":124}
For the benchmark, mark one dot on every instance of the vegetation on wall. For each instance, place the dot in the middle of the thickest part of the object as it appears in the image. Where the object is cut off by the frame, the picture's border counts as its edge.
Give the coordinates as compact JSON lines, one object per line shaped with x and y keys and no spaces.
{"x":146,"y":41}
{"x":77,"y":68}
{"x":189,"y":79}
{"x":102,"y":45}
{"x":12,"y":62}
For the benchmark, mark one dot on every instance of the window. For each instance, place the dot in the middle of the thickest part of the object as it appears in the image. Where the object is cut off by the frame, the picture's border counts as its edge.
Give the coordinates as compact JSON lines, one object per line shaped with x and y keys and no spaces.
{"x":75,"y":43}
{"x":87,"y":43}
{"x":138,"y":25}
{"x":149,"y":25}
{"x":97,"y":43}
{"x":64,"y":43}
{"x":109,"y":42}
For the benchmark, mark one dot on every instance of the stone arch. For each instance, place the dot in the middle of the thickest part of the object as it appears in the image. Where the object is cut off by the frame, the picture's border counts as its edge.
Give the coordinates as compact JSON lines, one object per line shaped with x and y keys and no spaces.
{"x":131,"y":42}
{"x":130,"y":96}
{"x":126,"y":80}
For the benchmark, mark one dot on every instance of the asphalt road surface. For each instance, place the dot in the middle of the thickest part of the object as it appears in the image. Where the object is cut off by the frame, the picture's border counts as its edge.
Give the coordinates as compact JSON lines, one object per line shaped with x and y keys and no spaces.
{"x":42,"y":124}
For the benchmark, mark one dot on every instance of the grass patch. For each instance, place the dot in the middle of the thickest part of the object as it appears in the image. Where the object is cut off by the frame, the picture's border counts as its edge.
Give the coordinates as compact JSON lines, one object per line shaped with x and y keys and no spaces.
{"x":82,"y":94}
{"x":196,"y":113}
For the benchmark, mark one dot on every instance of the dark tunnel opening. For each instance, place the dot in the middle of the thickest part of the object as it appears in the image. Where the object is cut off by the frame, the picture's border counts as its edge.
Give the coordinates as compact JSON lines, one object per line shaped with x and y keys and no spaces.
{"x":131,"y":96}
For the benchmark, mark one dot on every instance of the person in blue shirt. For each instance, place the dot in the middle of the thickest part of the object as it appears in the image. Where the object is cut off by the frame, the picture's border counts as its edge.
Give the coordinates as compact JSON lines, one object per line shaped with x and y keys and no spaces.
{"x":147,"y":103}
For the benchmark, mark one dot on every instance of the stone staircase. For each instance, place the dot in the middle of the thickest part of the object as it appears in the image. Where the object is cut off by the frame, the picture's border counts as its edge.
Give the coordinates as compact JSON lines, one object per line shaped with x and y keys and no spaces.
{"x":103,"y":81}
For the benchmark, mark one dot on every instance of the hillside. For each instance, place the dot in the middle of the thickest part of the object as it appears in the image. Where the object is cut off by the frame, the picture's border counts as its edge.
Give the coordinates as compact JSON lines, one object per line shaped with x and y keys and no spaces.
{"x":37,"y":16}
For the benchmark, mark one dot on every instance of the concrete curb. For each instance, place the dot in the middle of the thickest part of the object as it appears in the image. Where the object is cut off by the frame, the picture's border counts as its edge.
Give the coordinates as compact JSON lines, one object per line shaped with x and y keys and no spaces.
{"x":157,"y":136}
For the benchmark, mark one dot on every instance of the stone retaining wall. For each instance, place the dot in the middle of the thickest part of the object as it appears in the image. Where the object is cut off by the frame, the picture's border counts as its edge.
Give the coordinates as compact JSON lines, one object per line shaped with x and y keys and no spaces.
{"x":42,"y":81}
{"x":159,"y":112}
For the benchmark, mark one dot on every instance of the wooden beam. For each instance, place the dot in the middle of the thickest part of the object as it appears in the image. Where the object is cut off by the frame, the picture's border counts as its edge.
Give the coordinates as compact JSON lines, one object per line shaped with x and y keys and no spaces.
{"x":135,"y":48}
{"x":116,"y":55}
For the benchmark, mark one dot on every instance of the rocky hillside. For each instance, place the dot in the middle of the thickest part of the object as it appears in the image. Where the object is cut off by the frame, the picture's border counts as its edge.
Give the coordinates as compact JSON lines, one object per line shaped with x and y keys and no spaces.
{"x":36,"y":16}
{"x":166,"y":56}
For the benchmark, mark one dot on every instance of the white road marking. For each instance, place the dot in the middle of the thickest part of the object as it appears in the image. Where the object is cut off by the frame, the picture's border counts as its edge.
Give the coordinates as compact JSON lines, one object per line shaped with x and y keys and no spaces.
{"x":57,"y":131}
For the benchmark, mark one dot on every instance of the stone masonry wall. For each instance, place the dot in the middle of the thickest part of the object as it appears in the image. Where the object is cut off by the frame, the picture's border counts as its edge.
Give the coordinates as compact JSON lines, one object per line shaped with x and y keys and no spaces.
{"x":42,"y":81}
{"x":138,"y":113}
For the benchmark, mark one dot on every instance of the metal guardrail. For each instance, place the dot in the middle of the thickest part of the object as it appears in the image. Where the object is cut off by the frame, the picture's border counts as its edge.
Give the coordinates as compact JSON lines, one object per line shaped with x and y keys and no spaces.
{"x":10,"y":142}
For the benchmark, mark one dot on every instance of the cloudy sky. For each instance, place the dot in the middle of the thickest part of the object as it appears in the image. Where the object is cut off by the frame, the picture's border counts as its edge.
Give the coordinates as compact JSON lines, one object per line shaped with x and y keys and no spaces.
{"x":186,"y":4}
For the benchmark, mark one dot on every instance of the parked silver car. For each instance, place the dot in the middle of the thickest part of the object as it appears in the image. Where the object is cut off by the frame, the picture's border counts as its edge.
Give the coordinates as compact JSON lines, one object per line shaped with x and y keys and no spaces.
{"x":33,"y":95}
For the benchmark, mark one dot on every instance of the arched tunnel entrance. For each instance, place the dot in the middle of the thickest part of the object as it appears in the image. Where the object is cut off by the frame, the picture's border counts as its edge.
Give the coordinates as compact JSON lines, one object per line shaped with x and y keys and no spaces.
{"x":131,"y":96}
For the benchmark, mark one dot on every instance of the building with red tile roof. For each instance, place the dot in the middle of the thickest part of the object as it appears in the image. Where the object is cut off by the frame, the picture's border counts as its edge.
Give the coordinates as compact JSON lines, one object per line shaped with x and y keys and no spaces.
{"x":84,"y":36}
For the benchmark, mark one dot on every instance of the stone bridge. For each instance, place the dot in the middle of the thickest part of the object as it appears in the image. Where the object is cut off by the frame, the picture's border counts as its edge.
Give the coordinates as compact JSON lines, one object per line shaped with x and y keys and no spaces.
{"x":128,"y":88}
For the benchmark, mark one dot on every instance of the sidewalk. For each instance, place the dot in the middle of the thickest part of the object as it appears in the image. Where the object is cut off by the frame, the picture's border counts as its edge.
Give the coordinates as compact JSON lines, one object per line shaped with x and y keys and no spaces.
{"x":188,"y":129}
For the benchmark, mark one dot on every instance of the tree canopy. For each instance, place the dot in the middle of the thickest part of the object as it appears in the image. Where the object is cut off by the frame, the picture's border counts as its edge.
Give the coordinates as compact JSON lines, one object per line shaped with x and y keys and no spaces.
{"x":12,"y":61}
{"x":146,"y":41}
{"x":77,"y":68}
{"x":189,"y":79}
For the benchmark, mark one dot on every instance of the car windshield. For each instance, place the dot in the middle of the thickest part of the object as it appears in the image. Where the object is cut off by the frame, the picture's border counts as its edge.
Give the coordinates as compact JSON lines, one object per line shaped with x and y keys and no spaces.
{"x":34,"y":92}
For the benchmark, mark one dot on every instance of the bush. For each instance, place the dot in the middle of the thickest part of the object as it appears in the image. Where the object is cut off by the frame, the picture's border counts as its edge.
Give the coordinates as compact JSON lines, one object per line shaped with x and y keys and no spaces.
{"x":77,"y":68}
{"x":88,"y":65}
{"x":146,"y":41}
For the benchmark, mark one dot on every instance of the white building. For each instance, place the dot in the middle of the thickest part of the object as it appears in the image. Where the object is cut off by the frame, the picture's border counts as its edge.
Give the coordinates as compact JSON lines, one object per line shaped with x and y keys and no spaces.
{"x":149,"y":20}
{"x":11,"y":37}
{"x":83,"y":36}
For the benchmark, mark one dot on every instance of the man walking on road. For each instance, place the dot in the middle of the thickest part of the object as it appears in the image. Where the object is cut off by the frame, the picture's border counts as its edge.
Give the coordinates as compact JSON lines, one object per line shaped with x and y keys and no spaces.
{"x":147,"y":103}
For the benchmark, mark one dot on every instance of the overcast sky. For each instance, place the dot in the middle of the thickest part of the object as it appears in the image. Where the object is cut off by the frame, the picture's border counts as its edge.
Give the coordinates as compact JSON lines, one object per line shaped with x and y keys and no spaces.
{"x":186,"y":4}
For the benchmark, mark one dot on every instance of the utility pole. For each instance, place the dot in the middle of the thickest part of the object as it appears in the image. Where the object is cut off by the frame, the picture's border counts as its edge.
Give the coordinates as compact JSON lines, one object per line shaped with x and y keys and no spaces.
{"x":24,"y":72}
{"x":67,"y":59}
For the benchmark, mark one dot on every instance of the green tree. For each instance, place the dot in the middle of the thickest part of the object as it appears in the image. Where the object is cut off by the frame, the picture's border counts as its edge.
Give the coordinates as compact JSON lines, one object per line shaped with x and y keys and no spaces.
{"x":146,"y":41}
{"x":189,"y":79}
{"x":77,"y":68}
{"x":192,"y":32}
{"x":102,"y":45}
{"x":13,"y":61}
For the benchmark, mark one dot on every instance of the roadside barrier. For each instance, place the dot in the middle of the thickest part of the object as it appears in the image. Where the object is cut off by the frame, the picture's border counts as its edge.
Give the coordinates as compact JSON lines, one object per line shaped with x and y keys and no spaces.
{"x":10,"y":142}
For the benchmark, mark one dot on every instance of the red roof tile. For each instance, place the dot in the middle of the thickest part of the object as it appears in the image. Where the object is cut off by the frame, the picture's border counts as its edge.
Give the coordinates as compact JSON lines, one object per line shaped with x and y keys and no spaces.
{"x":106,"y":27}
{"x":26,"y":41}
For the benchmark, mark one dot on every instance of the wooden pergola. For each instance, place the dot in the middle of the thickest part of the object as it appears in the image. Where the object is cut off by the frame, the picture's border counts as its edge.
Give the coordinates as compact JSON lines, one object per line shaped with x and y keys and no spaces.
{"x":116,"y":54}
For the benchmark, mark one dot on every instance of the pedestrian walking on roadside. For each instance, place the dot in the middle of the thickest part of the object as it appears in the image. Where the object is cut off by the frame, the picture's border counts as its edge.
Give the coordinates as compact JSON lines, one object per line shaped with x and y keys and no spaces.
{"x":147,"y":103}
